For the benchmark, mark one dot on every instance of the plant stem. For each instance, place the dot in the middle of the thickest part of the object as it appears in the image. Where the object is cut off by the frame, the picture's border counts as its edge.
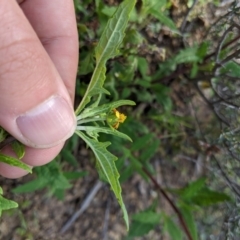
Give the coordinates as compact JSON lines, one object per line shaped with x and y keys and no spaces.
{"x":224,"y":46}
{"x":87,"y":120}
{"x":182,"y":28}
{"x":175,"y":208}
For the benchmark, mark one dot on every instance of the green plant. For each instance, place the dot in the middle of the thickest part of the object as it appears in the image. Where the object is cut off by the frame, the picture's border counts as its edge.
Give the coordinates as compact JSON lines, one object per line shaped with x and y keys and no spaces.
{"x":91,"y":117}
{"x":5,"y":203}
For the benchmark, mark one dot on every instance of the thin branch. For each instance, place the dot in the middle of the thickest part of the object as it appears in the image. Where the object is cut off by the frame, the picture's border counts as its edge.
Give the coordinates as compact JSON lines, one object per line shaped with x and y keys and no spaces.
{"x":220,"y":44}
{"x":172,"y":204}
{"x":226,"y":99}
{"x":226,"y":16}
{"x":236,"y":25}
{"x":230,"y":78}
{"x":222,"y":99}
{"x":186,"y":16}
{"x":223,"y":38}
{"x":210,"y":105}
{"x":212,"y":170}
{"x":83,"y":207}
{"x":229,"y":182}
{"x":230,"y":151}
{"x":224,"y":46}
{"x":106,"y":220}
{"x":230,"y":57}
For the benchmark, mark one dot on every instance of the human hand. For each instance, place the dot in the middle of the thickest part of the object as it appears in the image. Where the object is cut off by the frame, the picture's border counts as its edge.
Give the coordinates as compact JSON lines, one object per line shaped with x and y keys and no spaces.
{"x":38,"y":64}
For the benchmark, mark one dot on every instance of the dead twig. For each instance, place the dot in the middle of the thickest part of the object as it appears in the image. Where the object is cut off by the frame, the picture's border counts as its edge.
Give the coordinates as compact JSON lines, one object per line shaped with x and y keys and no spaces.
{"x":186,"y":16}
{"x":106,"y":220}
{"x":224,"y":46}
{"x":230,"y":57}
{"x":227,"y":179}
{"x":220,"y":44}
{"x":211,"y":106}
{"x":83,"y":207}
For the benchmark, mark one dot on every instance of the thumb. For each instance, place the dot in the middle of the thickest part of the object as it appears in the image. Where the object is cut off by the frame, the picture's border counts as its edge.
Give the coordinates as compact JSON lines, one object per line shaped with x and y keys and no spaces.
{"x":35,"y":106}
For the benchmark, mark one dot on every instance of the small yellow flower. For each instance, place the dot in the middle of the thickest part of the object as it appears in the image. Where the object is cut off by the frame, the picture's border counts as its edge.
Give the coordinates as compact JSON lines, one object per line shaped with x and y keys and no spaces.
{"x":120,"y":118}
{"x":115,"y":118}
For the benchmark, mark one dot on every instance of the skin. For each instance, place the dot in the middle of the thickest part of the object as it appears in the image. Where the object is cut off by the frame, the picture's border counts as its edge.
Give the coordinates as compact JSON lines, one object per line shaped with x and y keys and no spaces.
{"x":38,"y":60}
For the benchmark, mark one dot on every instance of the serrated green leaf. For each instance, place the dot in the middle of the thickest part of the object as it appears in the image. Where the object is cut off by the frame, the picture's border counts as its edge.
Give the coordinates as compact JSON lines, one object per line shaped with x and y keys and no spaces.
{"x":163,"y":19}
{"x":18,"y":148}
{"x":106,"y":130}
{"x":107,"y":48}
{"x":50,"y":176}
{"x":188,"y":55}
{"x":108,"y":11}
{"x":173,"y":230}
{"x":154,"y":4}
{"x":106,"y":162}
{"x":114,"y":32}
{"x":231,"y":68}
{"x":194,"y":70}
{"x":60,"y":182}
{"x":143,"y":66}
{"x":134,"y":37}
{"x":147,"y":6}
{"x":75,"y":175}
{"x":126,"y":92}
{"x":143,"y":222}
{"x":31,"y":186}
{"x":202,"y":50}
{"x":14,"y":162}
{"x":189,"y":219}
{"x":105,"y":108}
{"x":138,"y":229}
{"x":207,"y":197}
{"x":144,"y":83}
{"x":192,"y":189}
{"x":52,"y":173}
{"x":162,"y":95}
{"x":6,"y":204}
{"x":101,"y":173}
{"x":149,"y":217}
{"x":59,"y":194}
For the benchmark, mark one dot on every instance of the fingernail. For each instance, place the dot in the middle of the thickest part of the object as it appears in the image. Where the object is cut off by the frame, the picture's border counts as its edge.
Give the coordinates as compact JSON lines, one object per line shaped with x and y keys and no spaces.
{"x":48,"y":124}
